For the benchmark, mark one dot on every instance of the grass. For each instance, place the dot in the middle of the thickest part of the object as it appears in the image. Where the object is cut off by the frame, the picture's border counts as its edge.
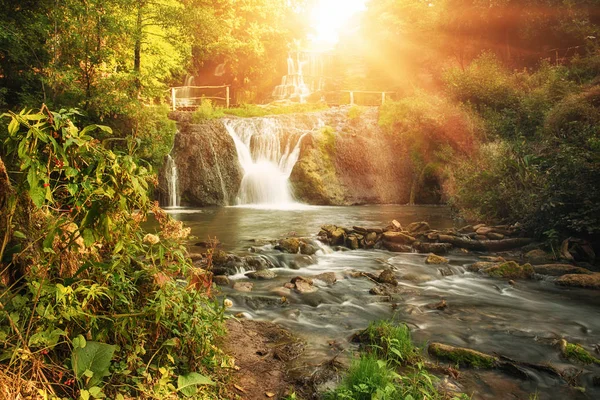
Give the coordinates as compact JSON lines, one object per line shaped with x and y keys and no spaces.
{"x":207,"y":110}
{"x":390,"y":367}
{"x":391,"y":342}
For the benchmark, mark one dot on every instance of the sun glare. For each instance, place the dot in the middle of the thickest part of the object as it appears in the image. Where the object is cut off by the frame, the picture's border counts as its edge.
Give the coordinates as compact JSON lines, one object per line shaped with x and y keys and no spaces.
{"x":328,"y":18}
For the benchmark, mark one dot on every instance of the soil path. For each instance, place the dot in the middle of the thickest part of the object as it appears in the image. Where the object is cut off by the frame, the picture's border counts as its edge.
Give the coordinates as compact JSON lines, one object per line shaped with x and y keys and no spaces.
{"x":260,"y":350}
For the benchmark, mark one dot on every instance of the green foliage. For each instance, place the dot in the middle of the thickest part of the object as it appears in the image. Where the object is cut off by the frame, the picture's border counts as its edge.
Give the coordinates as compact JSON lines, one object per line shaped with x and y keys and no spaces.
{"x":89,"y":280}
{"x":206,"y":110}
{"x":254,"y":110}
{"x":355,"y":112}
{"x":391,"y":342}
{"x":574,"y":351}
{"x":368,"y":378}
{"x":374,"y":375}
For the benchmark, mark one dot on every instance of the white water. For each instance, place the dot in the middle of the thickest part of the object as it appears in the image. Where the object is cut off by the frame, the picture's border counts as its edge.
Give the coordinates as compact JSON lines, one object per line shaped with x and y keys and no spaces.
{"x":305,"y":75}
{"x":267,"y":151}
{"x":172,"y":179}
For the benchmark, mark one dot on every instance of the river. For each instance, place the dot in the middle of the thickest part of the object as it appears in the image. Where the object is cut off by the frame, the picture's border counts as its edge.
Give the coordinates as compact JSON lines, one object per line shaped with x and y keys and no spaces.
{"x":521,"y":321}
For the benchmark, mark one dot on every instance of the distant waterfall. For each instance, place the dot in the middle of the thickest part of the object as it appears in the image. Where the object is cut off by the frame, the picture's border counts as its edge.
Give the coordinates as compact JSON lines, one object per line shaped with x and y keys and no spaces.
{"x":305,"y":75}
{"x":172,"y":178}
{"x":267,"y":150}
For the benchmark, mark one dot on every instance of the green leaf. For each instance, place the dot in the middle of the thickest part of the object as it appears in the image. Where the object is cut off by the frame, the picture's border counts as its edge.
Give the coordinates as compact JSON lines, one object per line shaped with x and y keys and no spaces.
{"x":88,"y":237}
{"x":13,"y":127}
{"x":19,"y":235}
{"x":96,"y":357}
{"x":72,"y":188}
{"x":79,"y":342}
{"x":186,"y":384}
{"x":84,"y":395}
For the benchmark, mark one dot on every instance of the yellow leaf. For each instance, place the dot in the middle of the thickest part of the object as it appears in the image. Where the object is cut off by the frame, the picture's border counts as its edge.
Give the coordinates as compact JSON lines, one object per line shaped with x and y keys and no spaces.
{"x":238,"y":387}
{"x":269,"y":394}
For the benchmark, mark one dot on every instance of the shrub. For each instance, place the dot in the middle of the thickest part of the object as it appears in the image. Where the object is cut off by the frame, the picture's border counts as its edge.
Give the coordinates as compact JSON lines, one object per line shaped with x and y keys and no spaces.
{"x":92,"y":304}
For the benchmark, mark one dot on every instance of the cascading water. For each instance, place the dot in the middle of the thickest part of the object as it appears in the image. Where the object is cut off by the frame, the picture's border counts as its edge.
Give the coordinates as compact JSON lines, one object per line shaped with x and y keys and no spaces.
{"x":305,"y":75}
{"x":267,"y":150}
{"x":171,"y":176}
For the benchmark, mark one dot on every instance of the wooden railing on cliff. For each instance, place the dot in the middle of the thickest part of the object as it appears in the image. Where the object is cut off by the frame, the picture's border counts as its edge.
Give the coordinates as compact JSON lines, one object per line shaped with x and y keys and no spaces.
{"x":191,"y":103}
{"x":352,"y":92}
{"x":179,"y":102}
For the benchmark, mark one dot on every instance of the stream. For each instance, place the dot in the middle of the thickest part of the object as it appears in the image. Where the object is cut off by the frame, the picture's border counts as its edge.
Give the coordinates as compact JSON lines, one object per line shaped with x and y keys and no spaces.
{"x":521,"y":321}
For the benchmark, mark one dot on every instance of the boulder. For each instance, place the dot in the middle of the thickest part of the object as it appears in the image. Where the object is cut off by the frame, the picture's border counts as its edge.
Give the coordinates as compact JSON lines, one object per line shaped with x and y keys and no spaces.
{"x":510,"y":270}
{"x":327,"y":277}
{"x":480,"y":265}
{"x":462,"y":356}
{"x":243,"y":286}
{"x":398,"y":237}
{"x":560,"y":269}
{"x":387,"y":276}
{"x":338,"y":236}
{"x":589,"y":281}
{"x":384,"y":290}
{"x":289,"y":245}
{"x":397,"y":226}
{"x":307,"y":249}
{"x":263,"y":274}
{"x":304,"y":286}
{"x":352,"y":242}
{"x":418,"y":227}
{"x":435,"y":259}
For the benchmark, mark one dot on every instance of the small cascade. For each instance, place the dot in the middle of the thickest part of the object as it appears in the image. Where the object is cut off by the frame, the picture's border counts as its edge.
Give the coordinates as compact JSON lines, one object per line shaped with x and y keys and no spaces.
{"x":267,"y":150}
{"x":305,"y":75}
{"x":172,"y":178}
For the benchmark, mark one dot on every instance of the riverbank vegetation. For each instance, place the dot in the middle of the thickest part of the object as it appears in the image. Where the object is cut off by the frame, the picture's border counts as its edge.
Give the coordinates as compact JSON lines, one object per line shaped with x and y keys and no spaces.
{"x":389,"y":367}
{"x":94,"y":306}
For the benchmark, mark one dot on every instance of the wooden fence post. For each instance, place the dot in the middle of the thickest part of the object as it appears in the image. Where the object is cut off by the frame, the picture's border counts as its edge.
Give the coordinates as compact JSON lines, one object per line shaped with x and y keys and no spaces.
{"x":351,"y":98}
{"x":173,"y":104}
{"x":382,"y":98}
{"x":227,"y":96}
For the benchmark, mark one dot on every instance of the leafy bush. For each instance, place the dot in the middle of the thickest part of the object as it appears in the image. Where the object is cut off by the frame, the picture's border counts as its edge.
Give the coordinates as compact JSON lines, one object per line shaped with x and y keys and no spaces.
{"x":91,"y":304}
{"x":207,"y":110}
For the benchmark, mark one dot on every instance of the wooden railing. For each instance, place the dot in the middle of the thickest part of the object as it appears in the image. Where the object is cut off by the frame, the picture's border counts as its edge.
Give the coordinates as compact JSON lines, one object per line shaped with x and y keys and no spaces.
{"x":383,"y":94}
{"x":194,"y":101}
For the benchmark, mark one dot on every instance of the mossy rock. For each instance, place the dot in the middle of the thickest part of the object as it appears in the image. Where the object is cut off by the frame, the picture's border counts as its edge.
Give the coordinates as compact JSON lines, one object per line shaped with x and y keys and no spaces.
{"x":289,"y":245}
{"x":435,"y":259}
{"x":462,"y":356}
{"x":511,"y":270}
{"x":574,"y":351}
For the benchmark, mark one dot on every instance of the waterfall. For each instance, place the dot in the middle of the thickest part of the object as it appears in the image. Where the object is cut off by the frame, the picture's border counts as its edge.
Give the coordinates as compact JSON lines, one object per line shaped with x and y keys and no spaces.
{"x":267,"y":150}
{"x":171,"y":177}
{"x":305,"y":75}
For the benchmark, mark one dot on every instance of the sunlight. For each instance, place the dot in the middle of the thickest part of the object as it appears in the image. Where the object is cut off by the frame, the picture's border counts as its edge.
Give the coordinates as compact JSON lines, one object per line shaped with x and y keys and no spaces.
{"x":328,"y":18}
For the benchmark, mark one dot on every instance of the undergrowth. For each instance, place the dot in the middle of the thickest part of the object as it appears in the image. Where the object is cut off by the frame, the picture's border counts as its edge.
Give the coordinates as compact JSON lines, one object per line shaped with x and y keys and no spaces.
{"x":389,"y":367}
{"x":207,"y":110}
{"x":91,"y":305}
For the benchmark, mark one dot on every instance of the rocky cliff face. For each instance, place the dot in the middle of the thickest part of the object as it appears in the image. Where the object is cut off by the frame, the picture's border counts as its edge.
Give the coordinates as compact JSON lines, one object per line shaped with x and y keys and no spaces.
{"x":207,"y":164}
{"x":352,"y":161}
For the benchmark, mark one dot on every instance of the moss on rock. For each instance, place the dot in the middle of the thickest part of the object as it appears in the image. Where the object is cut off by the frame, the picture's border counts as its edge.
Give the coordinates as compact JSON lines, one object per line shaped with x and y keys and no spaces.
{"x":510,"y":270}
{"x":574,"y":351}
{"x":462,"y":356}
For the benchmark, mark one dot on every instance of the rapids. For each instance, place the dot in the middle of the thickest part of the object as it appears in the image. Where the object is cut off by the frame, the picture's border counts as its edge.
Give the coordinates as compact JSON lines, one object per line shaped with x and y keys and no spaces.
{"x":521,"y":321}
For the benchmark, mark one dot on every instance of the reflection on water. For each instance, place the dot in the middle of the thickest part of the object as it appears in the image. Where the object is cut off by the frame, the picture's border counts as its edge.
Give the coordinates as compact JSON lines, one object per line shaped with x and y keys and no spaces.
{"x":522,"y":321}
